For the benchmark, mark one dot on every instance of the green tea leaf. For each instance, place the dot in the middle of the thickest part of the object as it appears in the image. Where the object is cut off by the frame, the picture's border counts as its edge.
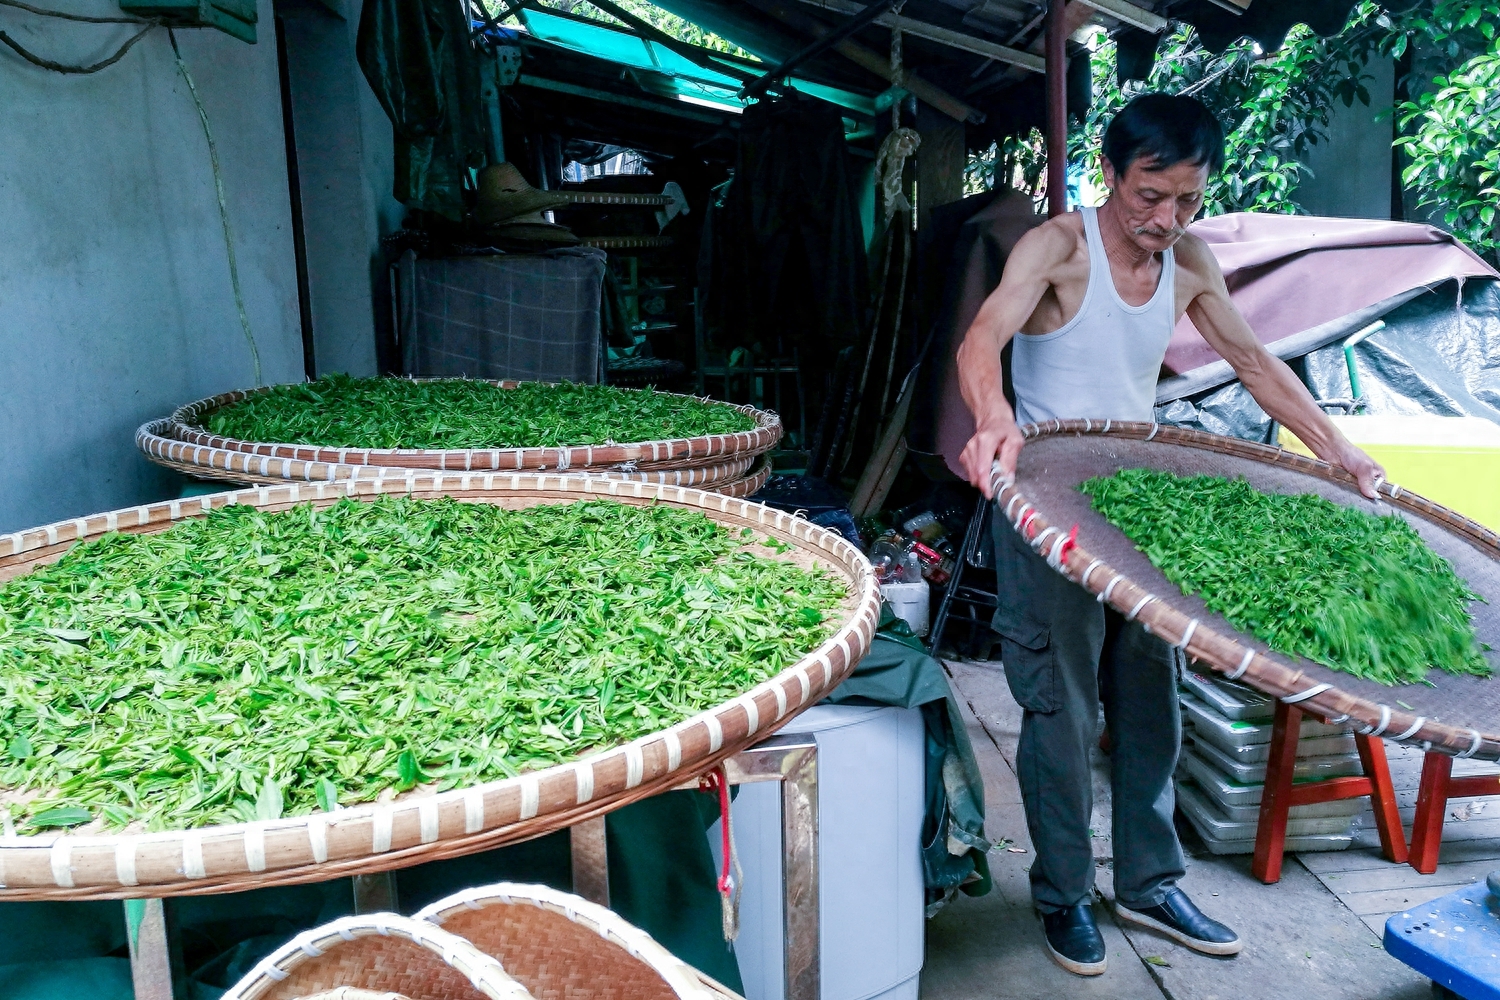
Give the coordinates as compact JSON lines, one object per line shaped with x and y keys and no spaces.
{"x":62,"y":816}
{"x":268,"y":805}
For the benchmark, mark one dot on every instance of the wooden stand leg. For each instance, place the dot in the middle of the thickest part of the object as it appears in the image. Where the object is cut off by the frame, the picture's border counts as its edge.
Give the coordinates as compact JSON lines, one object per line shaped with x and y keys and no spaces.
{"x":1276,"y":799}
{"x":1432,"y":805}
{"x":1382,"y":797}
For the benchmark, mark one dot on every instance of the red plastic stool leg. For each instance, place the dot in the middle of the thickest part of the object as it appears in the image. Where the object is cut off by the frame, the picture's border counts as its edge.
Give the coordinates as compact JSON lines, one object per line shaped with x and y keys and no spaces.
{"x":1276,"y":799}
{"x":1432,"y":804}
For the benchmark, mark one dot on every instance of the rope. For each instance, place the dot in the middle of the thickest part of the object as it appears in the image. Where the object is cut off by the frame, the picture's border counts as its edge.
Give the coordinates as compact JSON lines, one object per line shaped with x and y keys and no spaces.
{"x":732,"y":877}
{"x":213,"y":157}
{"x":58,"y":67}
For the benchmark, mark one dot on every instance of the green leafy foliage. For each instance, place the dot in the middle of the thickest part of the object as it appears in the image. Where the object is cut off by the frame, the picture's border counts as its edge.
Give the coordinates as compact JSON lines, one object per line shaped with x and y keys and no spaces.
{"x":1310,"y":578}
{"x":249,"y":665}
{"x":338,"y":411}
{"x":1453,"y":129}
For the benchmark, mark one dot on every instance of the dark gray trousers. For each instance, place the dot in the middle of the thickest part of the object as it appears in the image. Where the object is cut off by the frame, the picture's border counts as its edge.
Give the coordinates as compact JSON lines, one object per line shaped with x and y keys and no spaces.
{"x":1064,"y":653}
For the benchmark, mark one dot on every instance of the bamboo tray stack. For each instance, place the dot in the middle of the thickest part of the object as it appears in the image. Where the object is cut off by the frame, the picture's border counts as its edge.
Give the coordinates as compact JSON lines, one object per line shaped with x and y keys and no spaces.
{"x":414,"y":827}
{"x":735,"y":464}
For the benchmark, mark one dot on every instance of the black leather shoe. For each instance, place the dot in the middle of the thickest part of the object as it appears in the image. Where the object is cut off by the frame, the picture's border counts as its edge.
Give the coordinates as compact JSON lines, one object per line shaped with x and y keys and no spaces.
{"x":1073,"y":940}
{"x":1177,"y":918}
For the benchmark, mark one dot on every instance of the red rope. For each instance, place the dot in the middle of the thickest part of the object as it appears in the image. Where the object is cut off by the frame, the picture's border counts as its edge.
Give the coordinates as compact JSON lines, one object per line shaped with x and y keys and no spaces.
{"x":1069,"y":544}
{"x":717,"y":781}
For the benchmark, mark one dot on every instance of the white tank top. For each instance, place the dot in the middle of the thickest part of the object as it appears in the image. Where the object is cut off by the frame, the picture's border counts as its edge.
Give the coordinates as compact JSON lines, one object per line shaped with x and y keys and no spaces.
{"x":1104,"y":362}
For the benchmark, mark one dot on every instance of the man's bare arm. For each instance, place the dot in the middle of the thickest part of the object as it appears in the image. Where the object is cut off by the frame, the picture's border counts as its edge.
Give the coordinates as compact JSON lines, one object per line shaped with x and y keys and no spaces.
{"x":1025,"y":280}
{"x":1274,"y":385}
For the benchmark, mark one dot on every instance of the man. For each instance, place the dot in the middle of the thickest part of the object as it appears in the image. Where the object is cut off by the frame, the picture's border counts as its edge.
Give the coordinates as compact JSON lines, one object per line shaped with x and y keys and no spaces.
{"x":1091,"y":299}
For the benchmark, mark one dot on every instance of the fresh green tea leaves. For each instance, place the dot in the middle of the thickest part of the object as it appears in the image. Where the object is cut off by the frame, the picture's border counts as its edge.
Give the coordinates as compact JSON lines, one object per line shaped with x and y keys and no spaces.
{"x":373,"y":646}
{"x":338,"y":411}
{"x":1333,"y":584}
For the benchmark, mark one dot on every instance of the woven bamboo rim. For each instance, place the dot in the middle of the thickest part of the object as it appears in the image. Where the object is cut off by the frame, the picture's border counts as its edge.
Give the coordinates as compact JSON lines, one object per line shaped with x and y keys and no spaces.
{"x":185,"y":425}
{"x":738,"y":476}
{"x":1230,"y":654}
{"x":380,"y":837}
{"x":559,"y":944}
{"x":351,"y":993}
{"x":381,"y":952}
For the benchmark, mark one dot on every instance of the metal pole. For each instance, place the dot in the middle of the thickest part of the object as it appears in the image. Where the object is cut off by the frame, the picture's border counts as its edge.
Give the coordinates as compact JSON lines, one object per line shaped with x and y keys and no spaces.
{"x":150,"y":959}
{"x":757,"y":88}
{"x":1057,"y":109}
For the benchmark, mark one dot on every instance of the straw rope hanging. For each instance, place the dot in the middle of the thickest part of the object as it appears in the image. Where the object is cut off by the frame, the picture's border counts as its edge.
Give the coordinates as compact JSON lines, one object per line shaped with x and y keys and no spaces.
{"x":378,"y":955}
{"x":185,"y":425}
{"x":383,"y":836}
{"x":559,"y":944}
{"x":1454,"y":715}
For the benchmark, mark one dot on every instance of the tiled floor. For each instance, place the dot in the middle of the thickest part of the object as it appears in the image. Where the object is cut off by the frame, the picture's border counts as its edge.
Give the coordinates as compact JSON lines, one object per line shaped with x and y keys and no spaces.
{"x":1313,"y":935}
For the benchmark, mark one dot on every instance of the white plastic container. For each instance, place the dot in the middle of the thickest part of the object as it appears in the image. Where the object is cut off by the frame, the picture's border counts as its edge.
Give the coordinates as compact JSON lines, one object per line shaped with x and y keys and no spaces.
{"x":910,"y":603}
{"x":870,"y":805}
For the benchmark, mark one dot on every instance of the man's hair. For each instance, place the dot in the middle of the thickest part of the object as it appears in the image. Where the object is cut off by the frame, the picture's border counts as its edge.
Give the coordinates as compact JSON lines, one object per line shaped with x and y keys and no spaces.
{"x":1164,"y":130}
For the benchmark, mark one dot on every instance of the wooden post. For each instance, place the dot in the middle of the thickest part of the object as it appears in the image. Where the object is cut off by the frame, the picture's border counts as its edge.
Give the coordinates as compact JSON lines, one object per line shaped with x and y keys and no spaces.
{"x":1057,"y":109}
{"x":1382,"y":796}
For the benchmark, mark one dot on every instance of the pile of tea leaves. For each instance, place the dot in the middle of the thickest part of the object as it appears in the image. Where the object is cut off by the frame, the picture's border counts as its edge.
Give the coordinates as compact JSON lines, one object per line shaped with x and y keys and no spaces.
{"x":1310,"y":578}
{"x":338,"y":411}
{"x":250,"y":665}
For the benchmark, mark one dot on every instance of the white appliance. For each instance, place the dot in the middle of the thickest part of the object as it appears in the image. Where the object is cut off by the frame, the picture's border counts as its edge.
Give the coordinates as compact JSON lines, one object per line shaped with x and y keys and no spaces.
{"x":870,"y":803}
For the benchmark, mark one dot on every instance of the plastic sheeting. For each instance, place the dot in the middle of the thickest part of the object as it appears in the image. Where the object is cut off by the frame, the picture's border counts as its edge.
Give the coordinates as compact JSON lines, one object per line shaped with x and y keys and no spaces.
{"x":1434,"y":356}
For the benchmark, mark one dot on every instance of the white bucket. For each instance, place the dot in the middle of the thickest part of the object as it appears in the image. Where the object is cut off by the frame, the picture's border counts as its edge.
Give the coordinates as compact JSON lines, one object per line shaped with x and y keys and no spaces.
{"x":910,"y":603}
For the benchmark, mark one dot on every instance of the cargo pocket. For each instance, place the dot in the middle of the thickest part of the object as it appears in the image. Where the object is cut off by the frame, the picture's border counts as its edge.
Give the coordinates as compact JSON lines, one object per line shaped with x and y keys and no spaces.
{"x":1030,"y":666}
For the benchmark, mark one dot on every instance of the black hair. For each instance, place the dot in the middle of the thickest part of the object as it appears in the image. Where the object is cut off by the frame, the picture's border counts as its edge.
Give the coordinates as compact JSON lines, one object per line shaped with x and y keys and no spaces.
{"x":1165,"y":130}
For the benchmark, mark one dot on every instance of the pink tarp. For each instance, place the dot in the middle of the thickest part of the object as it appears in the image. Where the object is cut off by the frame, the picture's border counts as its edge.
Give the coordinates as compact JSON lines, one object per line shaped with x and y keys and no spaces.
{"x":1289,"y":273}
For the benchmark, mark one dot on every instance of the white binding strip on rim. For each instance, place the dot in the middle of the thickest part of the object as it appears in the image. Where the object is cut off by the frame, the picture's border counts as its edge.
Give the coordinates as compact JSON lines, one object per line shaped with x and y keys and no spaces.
{"x":1187,"y":634}
{"x":780,"y":693}
{"x":317,"y":836}
{"x":125,"y":861}
{"x":1385,"y":720}
{"x":1239,"y":671}
{"x":635,"y":765}
{"x":380,"y":828}
{"x":1089,"y":571}
{"x":61,"y":858}
{"x":715,"y":732}
{"x":583,"y":779}
{"x":1311,"y":692}
{"x":1412,"y":731}
{"x":1473,"y":747}
{"x":1041,"y":539}
{"x":531,"y":795}
{"x":1138,"y":606}
{"x":255,"y":847}
{"x":192,"y":855}
{"x":473,"y":810}
{"x":752,"y":714}
{"x":1154,"y":428}
{"x":1109,"y":589}
{"x":427,"y":820}
{"x":1340,"y":720}
{"x":674,"y":748}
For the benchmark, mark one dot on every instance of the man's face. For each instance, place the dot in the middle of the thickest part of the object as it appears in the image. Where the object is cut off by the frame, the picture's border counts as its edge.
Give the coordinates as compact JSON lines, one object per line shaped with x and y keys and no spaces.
{"x":1156,"y":203}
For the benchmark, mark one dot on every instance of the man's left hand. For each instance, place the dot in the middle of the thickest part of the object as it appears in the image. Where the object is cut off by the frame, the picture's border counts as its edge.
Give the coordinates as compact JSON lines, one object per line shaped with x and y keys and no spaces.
{"x":1362,"y":467}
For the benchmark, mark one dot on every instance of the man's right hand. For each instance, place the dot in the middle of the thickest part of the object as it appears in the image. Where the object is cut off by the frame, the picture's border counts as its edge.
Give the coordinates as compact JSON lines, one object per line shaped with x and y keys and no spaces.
{"x":998,"y":439}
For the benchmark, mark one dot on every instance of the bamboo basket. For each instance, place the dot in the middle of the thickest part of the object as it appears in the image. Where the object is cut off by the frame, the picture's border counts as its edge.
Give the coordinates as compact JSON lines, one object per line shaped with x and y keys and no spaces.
{"x":1454,"y":715}
{"x":416,"y":828}
{"x":737,"y":477}
{"x":185,"y":425}
{"x":379,"y":955}
{"x":557,"y":944}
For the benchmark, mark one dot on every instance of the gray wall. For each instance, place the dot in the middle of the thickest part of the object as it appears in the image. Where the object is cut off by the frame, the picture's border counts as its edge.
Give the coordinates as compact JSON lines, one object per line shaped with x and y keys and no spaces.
{"x":346,"y":172}
{"x":115,"y":302}
{"x":1352,"y":170}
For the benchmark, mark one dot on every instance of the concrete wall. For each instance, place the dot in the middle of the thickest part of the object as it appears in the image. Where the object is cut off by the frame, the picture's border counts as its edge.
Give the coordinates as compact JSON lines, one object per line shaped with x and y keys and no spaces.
{"x":1352,"y":170}
{"x":346,"y":171}
{"x":115,"y":301}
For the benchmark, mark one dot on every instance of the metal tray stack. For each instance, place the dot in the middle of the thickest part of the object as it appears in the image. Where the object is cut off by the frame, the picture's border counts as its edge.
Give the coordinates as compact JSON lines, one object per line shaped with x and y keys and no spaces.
{"x":1222,"y":771}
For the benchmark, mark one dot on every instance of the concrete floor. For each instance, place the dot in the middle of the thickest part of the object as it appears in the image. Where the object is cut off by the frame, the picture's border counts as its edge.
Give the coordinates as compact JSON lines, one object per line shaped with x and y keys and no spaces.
{"x":1312,"y":936}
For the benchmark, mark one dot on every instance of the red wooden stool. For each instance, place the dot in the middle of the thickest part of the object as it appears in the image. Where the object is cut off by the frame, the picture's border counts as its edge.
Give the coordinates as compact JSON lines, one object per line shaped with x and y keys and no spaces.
{"x":1280,"y":794}
{"x":1438,"y":786}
